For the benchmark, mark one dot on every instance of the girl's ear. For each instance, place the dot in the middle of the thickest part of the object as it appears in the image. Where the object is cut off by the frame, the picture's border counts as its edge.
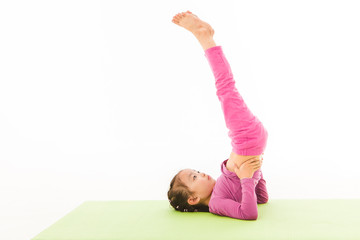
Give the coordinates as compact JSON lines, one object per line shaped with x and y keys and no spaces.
{"x":193,"y":200}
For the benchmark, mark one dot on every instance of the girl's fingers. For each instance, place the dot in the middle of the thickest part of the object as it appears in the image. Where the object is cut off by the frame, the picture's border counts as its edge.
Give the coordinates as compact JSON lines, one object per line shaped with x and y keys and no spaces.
{"x":256,"y":165}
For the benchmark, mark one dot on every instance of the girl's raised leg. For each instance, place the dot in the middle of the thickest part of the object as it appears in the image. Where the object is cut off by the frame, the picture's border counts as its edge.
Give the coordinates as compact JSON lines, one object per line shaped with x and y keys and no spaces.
{"x":246,"y":131}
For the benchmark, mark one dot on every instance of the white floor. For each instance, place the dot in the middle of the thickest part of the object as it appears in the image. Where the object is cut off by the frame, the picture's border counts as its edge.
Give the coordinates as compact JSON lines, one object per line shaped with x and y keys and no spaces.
{"x":22,"y":220}
{"x":31,"y":201}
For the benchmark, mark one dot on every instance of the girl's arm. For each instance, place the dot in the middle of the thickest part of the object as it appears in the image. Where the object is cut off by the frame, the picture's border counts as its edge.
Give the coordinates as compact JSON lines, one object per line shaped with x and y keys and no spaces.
{"x":246,"y":209}
{"x":261,"y":190}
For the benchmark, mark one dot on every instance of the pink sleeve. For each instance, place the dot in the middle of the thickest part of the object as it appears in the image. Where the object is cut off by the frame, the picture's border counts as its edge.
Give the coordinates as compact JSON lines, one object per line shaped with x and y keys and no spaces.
{"x":246,"y":210}
{"x":257,"y":176}
{"x":261,"y":191}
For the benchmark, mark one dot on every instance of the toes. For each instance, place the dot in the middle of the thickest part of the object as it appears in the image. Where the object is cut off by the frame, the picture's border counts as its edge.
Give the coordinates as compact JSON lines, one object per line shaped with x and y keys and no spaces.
{"x":178,"y":16}
{"x":188,"y":12}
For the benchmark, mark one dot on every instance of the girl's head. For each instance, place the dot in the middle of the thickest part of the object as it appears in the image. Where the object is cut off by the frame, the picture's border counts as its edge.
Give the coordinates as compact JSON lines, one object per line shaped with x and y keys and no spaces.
{"x":190,"y":191}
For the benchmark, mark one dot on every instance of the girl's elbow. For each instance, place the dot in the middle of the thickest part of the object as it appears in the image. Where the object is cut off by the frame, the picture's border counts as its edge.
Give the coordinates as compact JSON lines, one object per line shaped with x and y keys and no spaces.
{"x":263,"y":200}
{"x":254,"y":217}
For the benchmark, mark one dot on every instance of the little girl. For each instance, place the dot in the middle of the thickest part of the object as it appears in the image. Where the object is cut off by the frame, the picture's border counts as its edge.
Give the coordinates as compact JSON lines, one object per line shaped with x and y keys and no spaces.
{"x":241,"y":185}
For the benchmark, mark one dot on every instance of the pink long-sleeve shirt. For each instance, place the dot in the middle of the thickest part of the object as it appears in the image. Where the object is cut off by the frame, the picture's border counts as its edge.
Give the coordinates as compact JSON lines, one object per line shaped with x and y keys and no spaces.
{"x":237,"y":198}
{"x":231,"y":196}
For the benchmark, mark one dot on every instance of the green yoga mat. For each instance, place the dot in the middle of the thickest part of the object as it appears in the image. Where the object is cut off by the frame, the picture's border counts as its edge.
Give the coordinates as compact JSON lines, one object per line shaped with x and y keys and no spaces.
{"x":155,"y":219}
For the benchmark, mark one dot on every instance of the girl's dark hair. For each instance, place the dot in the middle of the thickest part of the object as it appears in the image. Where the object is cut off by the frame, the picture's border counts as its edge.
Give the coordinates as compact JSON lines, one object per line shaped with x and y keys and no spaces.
{"x":178,"y":195}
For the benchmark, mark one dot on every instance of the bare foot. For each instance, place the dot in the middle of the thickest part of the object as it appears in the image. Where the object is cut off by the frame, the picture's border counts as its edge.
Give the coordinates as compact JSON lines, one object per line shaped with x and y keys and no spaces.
{"x":193,"y":23}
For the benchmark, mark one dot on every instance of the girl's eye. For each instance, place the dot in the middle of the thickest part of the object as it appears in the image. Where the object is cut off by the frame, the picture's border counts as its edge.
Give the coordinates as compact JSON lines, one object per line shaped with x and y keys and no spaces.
{"x":195,"y":175}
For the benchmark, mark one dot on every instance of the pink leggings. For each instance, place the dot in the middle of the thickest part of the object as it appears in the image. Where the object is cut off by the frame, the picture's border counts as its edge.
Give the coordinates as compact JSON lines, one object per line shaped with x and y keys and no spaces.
{"x":247,"y":133}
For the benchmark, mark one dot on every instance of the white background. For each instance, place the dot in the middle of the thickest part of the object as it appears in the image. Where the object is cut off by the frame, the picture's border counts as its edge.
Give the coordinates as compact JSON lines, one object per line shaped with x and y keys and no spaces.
{"x":108,"y":100}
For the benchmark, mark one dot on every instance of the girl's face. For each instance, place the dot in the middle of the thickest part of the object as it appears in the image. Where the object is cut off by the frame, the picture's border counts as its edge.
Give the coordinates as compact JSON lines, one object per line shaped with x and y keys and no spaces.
{"x":201,"y":183}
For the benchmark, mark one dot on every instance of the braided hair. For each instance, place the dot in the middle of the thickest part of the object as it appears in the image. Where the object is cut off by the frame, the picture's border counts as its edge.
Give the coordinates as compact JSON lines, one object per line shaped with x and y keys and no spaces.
{"x":178,"y":195}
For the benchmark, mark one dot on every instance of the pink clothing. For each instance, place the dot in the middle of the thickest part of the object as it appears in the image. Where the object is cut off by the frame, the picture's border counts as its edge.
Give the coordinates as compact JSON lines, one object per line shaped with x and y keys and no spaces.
{"x":231,"y":196}
{"x":248,"y":135}
{"x":237,"y":198}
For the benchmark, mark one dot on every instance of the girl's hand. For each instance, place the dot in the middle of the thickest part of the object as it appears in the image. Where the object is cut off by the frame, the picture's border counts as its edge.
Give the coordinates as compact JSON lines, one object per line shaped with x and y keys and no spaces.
{"x":237,"y":160}
{"x":247,"y":169}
